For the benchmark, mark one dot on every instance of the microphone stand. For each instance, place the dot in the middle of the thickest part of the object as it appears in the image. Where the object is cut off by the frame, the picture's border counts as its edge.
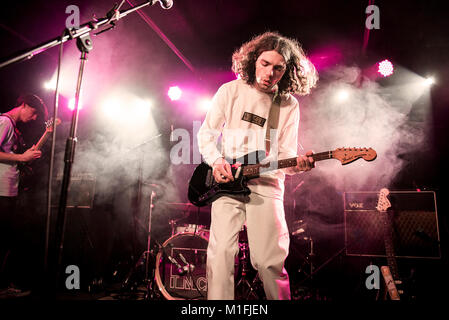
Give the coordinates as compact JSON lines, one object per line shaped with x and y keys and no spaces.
{"x":84,"y":44}
{"x":110,"y":19}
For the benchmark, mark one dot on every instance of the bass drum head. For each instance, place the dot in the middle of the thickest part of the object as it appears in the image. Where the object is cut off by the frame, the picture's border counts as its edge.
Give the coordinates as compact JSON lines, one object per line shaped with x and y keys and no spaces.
{"x":192,"y":286}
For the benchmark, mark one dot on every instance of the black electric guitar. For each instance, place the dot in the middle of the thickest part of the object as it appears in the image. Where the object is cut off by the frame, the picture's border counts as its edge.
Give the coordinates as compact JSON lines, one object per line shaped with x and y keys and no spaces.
{"x":203,"y":189}
{"x":390,"y":273}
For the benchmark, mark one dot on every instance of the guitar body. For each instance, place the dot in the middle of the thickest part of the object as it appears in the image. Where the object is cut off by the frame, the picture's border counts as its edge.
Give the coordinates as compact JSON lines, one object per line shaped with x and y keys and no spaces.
{"x":203,"y":189}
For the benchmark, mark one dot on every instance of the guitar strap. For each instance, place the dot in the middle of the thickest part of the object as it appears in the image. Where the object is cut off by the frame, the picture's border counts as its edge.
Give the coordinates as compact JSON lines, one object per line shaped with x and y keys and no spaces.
{"x":18,"y":135}
{"x":273,"y":121}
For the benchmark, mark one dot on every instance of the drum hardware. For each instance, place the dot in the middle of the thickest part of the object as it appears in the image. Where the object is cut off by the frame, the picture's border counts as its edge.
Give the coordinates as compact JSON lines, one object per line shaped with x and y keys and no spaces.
{"x":134,"y":277}
{"x":300,"y":227}
{"x":172,"y":224}
{"x":180,"y":269}
{"x":149,"y":281}
{"x":244,"y":289}
{"x":144,"y":259}
{"x":310,"y":292}
{"x":243,"y":282}
{"x":190,"y":228}
{"x":188,"y":267}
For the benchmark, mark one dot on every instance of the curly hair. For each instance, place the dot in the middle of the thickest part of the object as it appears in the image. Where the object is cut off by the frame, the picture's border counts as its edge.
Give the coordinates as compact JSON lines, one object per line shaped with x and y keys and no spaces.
{"x":300,"y":75}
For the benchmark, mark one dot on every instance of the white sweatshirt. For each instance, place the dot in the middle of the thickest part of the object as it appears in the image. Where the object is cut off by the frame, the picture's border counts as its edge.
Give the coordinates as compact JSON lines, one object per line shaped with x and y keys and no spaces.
{"x":239,"y":113}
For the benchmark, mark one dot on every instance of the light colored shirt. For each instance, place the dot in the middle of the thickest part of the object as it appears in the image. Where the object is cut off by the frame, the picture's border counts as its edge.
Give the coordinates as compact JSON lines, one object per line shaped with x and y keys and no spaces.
{"x":9,"y":174}
{"x":239,"y":114}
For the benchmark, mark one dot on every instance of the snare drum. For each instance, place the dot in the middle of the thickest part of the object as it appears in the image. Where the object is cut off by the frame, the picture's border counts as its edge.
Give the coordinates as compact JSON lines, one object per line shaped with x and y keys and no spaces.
{"x":193,"y":248}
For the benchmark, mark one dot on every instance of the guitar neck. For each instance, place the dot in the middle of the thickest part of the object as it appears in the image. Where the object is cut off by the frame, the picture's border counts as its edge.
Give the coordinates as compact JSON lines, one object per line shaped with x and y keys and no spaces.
{"x":42,"y":140}
{"x":254,"y":169}
{"x":389,"y":247}
{"x":291,"y":162}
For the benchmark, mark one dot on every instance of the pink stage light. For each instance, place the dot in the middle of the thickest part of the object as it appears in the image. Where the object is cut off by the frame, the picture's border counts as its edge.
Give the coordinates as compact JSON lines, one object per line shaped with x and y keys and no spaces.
{"x":204,"y":104}
{"x":50,"y":85}
{"x":385,"y":68}
{"x":174,"y":93}
{"x":71,"y":104}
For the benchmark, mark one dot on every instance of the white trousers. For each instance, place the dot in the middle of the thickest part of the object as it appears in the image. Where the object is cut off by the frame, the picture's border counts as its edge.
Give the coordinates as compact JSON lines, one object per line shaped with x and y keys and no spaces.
{"x":268,"y":240}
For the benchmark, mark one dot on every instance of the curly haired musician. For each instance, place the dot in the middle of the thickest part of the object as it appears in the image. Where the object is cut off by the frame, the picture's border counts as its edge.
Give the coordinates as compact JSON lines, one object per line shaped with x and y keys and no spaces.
{"x":256,"y":111}
{"x":28,"y":108}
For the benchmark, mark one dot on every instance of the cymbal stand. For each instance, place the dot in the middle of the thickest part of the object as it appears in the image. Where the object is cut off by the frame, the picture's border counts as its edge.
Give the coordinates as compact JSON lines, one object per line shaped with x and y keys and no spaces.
{"x":244,"y":261}
{"x":311,"y":259}
{"x":149,"y":282}
{"x":145,"y":258}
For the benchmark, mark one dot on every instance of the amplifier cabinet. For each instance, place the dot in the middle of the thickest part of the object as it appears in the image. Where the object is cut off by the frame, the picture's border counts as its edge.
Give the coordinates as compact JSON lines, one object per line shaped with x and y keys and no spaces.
{"x":80,"y":193}
{"x":414,"y":221}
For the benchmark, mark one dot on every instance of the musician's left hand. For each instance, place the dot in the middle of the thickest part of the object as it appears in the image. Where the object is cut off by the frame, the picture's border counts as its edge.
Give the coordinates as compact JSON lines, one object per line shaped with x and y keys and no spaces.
{"x":305,"y":162}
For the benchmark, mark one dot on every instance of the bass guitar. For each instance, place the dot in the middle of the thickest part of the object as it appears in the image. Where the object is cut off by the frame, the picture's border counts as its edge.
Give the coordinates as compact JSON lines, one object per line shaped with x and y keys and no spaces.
{"x":203,"y":189}
{"x":24,"y":167}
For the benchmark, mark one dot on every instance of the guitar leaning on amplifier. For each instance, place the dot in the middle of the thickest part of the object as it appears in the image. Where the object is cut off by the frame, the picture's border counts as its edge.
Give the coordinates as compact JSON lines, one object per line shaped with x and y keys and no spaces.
{"x":203,"y":189}
{"x":390,"y":273}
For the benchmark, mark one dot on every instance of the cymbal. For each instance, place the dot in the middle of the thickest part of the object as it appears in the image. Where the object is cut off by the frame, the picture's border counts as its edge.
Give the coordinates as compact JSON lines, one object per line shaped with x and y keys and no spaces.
{"x":152,"y":184}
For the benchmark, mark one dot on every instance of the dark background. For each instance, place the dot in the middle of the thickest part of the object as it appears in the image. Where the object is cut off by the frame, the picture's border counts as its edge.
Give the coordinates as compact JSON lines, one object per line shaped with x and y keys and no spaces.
{"x":111,"y":233}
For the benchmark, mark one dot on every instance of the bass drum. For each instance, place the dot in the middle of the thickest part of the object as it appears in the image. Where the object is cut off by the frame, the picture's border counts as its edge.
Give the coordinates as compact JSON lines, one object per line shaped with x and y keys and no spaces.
{"x":173,"y":285}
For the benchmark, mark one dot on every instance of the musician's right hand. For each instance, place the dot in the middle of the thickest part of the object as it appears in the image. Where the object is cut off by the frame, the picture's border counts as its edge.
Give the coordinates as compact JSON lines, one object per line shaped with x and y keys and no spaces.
{"x":222,"y":171}
{"x":31,"y":154}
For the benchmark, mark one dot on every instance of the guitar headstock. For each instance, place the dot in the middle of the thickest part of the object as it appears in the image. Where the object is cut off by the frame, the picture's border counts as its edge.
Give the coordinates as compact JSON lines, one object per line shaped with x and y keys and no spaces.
{"x":383,"y":203}
{"x":348,"y":155}
{"x":49,"y":124}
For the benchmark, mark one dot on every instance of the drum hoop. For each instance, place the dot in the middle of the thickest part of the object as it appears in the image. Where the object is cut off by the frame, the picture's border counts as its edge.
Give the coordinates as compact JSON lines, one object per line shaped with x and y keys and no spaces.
{"x":189,"y":227}
{"x":158,"y":259}
{"x":192,"y":225}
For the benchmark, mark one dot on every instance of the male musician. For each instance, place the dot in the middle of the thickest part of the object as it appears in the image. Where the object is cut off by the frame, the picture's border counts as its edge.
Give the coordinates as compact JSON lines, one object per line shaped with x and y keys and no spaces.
{"x":28,"y":108}
{"x":271,"y":69}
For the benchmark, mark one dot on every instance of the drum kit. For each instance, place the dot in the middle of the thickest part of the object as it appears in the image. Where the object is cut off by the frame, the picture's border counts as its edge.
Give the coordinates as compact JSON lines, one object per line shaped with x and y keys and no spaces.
{"x":176,"y":269}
